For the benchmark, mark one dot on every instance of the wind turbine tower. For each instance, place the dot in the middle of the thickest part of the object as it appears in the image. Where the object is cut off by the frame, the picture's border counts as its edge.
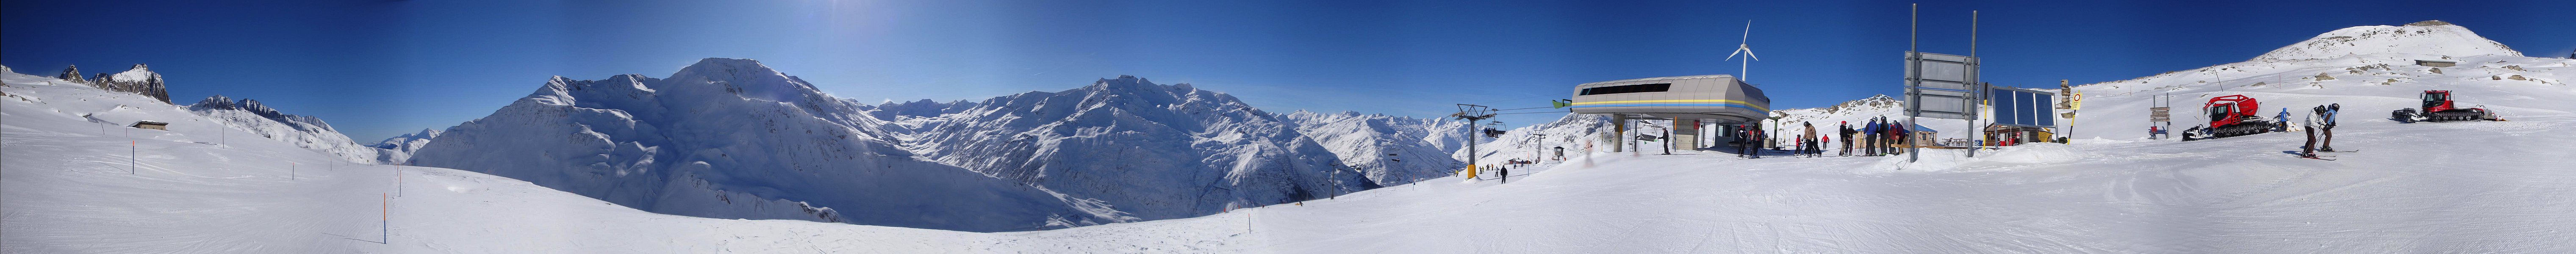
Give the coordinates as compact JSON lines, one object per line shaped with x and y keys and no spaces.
{"x":1745,"y":48}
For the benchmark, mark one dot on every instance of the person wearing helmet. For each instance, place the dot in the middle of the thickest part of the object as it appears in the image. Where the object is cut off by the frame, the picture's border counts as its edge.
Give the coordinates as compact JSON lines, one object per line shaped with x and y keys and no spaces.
{"x":2320,"y":122}
{"x":2328,"y":127}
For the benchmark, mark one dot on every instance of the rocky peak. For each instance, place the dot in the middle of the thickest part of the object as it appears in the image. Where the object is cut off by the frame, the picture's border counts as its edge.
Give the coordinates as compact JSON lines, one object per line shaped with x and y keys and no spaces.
{"x":2428,"y":37}
{"x":72,"y":73}
{"x":139,"y":80}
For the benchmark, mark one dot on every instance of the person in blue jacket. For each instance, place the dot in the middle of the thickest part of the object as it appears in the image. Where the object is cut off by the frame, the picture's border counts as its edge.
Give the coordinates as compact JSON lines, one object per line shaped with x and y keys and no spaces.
{"x":2281,"y":123}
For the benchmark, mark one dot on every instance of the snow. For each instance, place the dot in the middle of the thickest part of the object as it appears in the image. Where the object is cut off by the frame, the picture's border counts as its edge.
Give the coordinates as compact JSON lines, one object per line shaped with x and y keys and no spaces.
{"x":2471,"y":187}
{"x":1151,"y":151}
{"x":398,"y":149}
{"x":728,"y":138}
{"x":2428,"y":37}
{"x":136,"y":74}
{"x":250,"y":116}
{"x":1389,"y":149}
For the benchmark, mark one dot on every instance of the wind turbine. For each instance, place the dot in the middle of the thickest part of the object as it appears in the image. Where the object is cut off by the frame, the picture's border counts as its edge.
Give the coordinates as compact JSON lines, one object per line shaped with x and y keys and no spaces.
{"x":1745,"y":48}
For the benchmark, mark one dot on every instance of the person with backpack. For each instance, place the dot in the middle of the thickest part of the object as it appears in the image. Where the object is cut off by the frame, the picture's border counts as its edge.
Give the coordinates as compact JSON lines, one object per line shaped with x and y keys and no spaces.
{"x":2320,"y":122}
{"x":1869,"y":137}
{"x":1807,"y":142}
{"x":2326,"y":125}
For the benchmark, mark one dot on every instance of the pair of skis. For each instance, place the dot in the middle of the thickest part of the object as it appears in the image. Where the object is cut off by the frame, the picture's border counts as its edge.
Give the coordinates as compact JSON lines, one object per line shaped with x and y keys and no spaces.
{"x":2326,"y":157}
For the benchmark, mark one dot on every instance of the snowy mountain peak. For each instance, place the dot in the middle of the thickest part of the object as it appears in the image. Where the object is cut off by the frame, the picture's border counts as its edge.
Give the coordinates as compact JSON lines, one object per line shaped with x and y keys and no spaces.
{"x":747,"y":78}
{"x":138,"y":73}
{"x":2428,"y":37}
{"x":1123,"y":82}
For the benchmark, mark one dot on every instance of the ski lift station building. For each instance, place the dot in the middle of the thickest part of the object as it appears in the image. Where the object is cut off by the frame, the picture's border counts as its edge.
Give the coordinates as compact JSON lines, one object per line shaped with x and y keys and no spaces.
{"x":1687,"y":100}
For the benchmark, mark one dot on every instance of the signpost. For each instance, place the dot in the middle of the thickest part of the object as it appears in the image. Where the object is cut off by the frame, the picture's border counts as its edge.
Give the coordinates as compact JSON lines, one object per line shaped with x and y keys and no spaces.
{"x":2160,"y":115}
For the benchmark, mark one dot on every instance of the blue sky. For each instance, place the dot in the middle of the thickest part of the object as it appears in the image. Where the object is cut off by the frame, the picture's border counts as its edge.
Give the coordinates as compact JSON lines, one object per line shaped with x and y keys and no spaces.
{"x":379,"y":68}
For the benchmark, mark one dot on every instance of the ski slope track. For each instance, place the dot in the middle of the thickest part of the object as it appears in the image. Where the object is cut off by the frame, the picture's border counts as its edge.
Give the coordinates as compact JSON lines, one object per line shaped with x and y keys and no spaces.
{"x":2464,"y":187}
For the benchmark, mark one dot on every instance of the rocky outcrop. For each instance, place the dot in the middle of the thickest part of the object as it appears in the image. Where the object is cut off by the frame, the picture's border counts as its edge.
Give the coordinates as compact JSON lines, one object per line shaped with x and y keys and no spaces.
{"x":138,"y":80}
{"x":72,"y":73}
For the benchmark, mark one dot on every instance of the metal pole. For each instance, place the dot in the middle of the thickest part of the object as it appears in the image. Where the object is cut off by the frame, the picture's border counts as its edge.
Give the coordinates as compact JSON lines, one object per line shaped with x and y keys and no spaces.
{"x":1913,"y":27}
{"x":1974,"y":101}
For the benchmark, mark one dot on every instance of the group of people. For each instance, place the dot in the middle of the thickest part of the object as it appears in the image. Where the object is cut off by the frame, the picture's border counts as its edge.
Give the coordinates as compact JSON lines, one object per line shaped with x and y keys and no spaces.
{"x":2321,"y":121}
{"x":1879,"y":136}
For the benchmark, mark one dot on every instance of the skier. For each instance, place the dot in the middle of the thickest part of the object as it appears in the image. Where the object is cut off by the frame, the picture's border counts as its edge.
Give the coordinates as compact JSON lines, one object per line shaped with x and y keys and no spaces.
{"x":1798,"y":145}
{"x":2322,"y":122}
{"x":2309,"y":149}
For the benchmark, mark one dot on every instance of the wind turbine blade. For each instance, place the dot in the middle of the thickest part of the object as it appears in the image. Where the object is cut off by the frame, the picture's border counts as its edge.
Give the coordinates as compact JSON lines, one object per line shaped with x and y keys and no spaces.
{"x":1731,"y":56}
{"x":1748,"y":30}
{"x":1748,"y":53}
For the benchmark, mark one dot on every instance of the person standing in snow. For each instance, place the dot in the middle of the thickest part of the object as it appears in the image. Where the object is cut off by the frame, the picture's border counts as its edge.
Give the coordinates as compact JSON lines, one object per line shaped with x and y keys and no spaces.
{"x":2327,"y":125}
{"x":1810,"y":143}
{"x":1752,"y":141}
{"x":1846,"y":132}
{"x":1869,"y":137}
{"x":1798,"y":145}
{"x":1742,"y":134}
{"x":2309,"y":149}
{"x":1903,"y":132}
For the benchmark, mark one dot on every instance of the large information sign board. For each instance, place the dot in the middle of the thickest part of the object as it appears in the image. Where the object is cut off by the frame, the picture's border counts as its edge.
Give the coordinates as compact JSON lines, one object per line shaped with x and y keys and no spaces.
{"x":1941,"y":85}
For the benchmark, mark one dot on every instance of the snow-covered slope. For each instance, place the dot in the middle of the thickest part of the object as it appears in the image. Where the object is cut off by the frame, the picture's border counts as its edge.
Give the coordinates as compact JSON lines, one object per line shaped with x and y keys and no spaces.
{"x":1577,"y":133}
{"x":2430,"y":37}
{"x":398,"y":149}
{"x":2366,"y":85}
{"x":65,"y":187}
{"x":1390,"y":150}
{"x":730,"y":138}
{"x":250,"y":116}
{"x":1150,"y":150}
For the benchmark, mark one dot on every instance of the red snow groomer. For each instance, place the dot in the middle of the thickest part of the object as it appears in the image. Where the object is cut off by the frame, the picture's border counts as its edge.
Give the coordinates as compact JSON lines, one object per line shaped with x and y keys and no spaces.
{"x":2235,"y":115}
{"x":2438,"y":108}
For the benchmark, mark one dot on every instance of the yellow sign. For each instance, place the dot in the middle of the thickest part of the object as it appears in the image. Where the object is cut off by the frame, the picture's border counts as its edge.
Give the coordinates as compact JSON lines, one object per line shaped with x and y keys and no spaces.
{"x":2077,"y":104}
